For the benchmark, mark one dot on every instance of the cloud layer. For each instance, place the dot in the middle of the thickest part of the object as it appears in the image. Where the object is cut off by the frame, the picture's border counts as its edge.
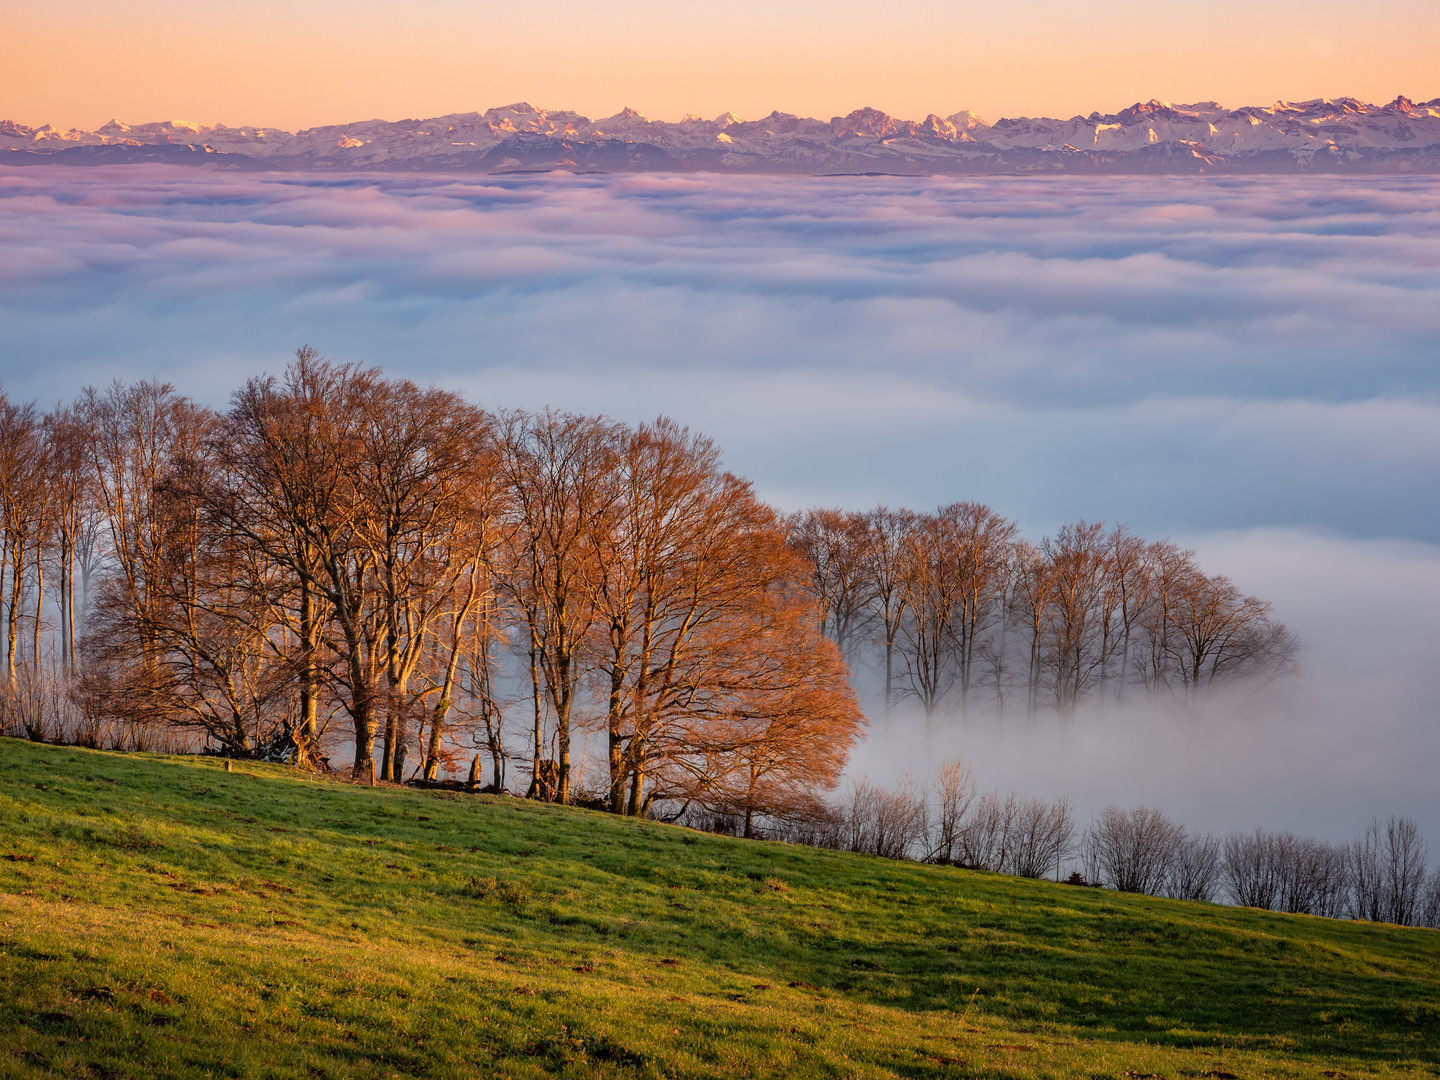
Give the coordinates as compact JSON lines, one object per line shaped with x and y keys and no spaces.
{"x":1179,"y":353}
{"x":1199,"y":357}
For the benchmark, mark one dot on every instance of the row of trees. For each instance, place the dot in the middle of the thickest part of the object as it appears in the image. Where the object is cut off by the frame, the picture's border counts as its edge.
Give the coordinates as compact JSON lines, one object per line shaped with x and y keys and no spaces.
{"x":50,"y":532}
{"x":955,"y":606}
{"x":1382,"y":875}
{"x":343,"y":558}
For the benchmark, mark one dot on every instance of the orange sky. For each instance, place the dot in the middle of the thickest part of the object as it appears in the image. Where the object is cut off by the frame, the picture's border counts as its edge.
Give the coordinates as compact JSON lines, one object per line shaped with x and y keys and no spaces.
{"x":299,"y":63}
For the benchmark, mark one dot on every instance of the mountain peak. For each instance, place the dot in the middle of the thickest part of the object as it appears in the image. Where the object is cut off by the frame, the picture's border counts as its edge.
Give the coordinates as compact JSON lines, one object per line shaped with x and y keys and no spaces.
{"x":1340,"y":134}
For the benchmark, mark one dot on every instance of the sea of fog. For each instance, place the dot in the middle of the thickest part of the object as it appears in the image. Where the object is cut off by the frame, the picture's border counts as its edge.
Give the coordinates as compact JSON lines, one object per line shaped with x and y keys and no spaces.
{"x":1250,"y":366}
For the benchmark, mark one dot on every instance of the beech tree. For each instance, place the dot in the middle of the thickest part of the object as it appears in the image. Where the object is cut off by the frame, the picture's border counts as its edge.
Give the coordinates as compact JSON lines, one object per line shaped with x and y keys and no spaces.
{"x":74,"y":518}
{"x":23,"y":511}
{"x":930,"y":580}
{"x":718,"y":639}
{"x":560,"y":472}
{"x":139,"y":436}
{"x":1075,"y":578}
{"x":955,"y":786}
{"x":778,"y":741}
{"x":423,"y":464}
{"x":836,"y":545}
{"x":983,"y":546}
{"x":292,"y":452}
{"x":884,"y":562}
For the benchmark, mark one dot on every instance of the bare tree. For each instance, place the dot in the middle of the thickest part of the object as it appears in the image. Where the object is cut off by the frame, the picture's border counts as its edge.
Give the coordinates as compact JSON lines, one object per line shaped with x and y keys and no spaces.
{"x":1042,"y":837}
{"x":899,"y":819}
{"x":1033,"y":605}
{"x":1133,"y":850}
{"x":290,"y":454}
{"x":1387,"y":872}
{"x":1430,"y":902}
{"x":1195,"y":872}
{"x":1125,"y":596}
{"x":882,"y":821}
{"x":985,"y":837}
{"x":1169,"y":573}
{"x":835,"y":543}
{"x":1312,"y":878}
{"x":930,"y":581}
{"x":560,"y":470}
{"x":423,"y":479}
{"x":1403,"y":856}
{"x":1077,"y":563}
{"x":982,"y":543}
{"x":139,"y":435}
{"x":1025,"y":837}
{"x":858,"y":813}
{"x":888,"y":535}
{"x":73,"y":515}
{"x":773,"y":740}
{"x":481,"y":683}
{"x":955,"y":793}
{"x":23,"y":512}
{"x":1222,"y":634}
{"x":1252,"y":871}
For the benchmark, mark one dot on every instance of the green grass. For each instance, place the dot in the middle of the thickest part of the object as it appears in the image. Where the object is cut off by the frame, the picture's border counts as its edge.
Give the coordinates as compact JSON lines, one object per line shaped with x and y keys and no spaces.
{"x":164,"y":918}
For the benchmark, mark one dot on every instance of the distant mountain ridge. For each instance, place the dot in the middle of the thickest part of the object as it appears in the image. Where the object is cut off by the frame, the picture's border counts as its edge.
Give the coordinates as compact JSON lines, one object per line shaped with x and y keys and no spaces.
{"x":1323,"y":135}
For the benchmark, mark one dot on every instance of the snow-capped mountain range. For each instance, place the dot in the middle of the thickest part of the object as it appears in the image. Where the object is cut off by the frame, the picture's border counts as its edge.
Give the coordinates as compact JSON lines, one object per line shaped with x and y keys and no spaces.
{"x":1324,"y":135}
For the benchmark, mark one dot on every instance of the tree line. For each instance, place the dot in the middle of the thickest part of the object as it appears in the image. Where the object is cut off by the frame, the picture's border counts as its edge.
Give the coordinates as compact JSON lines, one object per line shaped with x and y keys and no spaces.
{"x":1381,"y":875}
{"x":339,"y":561}
{"x":955,"y":607}
{"x":344,"y":558}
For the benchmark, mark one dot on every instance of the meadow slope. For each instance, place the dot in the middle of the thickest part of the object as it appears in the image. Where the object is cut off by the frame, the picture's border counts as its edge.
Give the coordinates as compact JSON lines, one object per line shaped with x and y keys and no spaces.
{"x":164,"y":918}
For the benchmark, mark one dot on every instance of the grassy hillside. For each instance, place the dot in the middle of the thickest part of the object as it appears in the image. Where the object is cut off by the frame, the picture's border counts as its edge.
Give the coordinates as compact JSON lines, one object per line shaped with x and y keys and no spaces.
{"x":164,"y":918}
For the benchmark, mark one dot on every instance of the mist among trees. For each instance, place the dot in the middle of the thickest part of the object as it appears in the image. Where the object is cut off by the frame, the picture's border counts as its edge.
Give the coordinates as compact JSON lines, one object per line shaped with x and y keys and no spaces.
{"x":959,"y":611}
{"x":343,"y":564}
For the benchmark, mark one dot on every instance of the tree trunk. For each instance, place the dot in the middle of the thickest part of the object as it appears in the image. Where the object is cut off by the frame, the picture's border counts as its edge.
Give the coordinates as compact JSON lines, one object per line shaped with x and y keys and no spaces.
{"x":637,"y":780}
{"x":362,"y":706}
{"x":562,"y":732}
{"x":432,"y":749}
{"x":387,"y":751}
{"x":64,"y":608}
{"x":494,"y":732}
{"x":12,"y":616}
{"x":617,"y":744}
{"x":39,"y":608}
{"x":70,"y":603}
{"x":536,"y":788}
{"x":309,"y":707}
{"x":397,"y":760}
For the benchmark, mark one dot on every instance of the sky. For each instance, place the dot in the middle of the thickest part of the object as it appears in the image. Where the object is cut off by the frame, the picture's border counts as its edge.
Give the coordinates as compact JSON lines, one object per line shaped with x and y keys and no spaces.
{"x":1246,"y":365}
{"x":300,"y":63}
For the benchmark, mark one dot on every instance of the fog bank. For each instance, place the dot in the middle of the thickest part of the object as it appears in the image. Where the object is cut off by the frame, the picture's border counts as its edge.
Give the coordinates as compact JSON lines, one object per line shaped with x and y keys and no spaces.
{"x":1354,"y":734}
